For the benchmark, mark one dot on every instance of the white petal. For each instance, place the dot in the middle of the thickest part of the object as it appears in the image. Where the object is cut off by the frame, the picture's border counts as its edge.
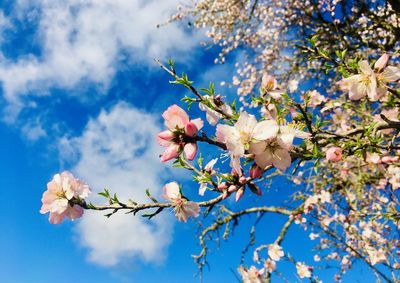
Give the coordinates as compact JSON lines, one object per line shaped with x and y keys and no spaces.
{"x":357,"y":91}
{"x":365,"y":67}
{"x":266,"y":129}
{"x":372,"y":90}
{"x":391,"y":74}
{"x":246,"y":122}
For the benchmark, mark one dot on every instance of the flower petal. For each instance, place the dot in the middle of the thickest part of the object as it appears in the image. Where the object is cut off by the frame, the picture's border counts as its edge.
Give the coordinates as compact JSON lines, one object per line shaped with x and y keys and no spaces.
{"x":190,"y":150}
{"x":171,"y":152}
{"x":365,"y":67}
{"x":266,"y":129}
{"x":175,"y":117}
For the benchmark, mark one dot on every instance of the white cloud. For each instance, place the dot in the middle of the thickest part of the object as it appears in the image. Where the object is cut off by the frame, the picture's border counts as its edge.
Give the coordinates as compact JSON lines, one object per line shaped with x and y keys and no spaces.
{"x":117,"y":150}
{"x":33,"y":130}
{"x":82,"y":40}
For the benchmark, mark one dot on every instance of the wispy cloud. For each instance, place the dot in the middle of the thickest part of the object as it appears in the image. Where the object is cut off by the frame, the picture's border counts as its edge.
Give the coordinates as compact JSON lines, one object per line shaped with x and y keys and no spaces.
{"x":117,"y":150}
{"x":82,"y":42}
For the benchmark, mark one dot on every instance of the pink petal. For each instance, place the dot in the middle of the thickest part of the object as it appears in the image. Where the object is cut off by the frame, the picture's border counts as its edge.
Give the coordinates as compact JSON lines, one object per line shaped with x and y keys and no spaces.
{"x":175,"y":117}
{"x":55,"y":218}
{"x":257,"y":147}
{"x":198,"y":122}
{"x":190,"y":129}
{"x":164,"y":138}
{"x":391,"y":74}
{"x":171,"y":152}
{"x":190,"y":150}
{"x":171,"y":191}
{"x":74,"y":212}
{"x":264,"y":159}
{"x":334,"y":154}
{"x":223,"y":133}
{"x":281,"y":159}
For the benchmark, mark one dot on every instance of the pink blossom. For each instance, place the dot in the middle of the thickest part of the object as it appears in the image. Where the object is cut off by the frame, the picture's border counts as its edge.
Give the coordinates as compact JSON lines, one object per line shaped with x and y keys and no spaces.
{"x":178,"y":126}
{"x":270,"y":265}
{"x":60,"y":191}
{"x":376,"y":256}
{"x":270,"y":85}
{"x":380,"y":64}
{"x":252,"y":275}
{"x":275,"y":252}
{"x":274,"y":149}
{"x":271,"y":152}
{"x":182,"y":207}
{"x":360,"y":85}
{"x":371,"y":83}
{"x":303,"y":270}
{"x":390,"y":159}
{"x":334,"y":154}
{"x":213,"y":116}
{"x":209,"y":169}
{"x":316,"y":98}
{"x":238,"y":137}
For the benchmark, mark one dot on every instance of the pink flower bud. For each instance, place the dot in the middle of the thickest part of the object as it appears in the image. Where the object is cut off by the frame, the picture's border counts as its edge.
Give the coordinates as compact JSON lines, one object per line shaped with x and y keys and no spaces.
{"x":223,"y":186}
{"x":232,"y":188}
{"x":242,"y":180}
{"x":234,"y":173}
{"x":239,"y":194}
{"x":190,"y":129}
{"x":190,"y":150}
{"x":334,"y":154}
{"x":255,"y":171}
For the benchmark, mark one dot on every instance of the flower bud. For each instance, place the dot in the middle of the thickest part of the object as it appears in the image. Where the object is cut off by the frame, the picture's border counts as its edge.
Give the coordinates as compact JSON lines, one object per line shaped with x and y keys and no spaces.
{"x":255,"y":171}
{"x":239,"y":194}
{"x":223,"y":186}
{"x":242,"y":180}
{"x":232,"y":188}
{"x":190,"y":129}
{"x":334,"y":154}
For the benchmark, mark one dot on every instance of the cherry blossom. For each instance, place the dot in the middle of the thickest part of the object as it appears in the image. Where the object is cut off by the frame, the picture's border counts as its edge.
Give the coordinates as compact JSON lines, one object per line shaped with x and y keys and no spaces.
{"x":370,"y":83}
{"x":182,"y":207}
{"x":252,"y":275}
{"x":239,"y":136}
{"x":57,"y":200}
{"x":275,"y":252}
{"x":334,"y":154}
{"x":303,"y":270}
{"x":179,"y":127}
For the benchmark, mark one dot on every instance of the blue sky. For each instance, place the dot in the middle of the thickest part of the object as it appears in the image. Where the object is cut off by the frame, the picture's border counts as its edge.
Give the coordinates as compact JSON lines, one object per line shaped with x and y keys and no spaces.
{"x":80,"y":92}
